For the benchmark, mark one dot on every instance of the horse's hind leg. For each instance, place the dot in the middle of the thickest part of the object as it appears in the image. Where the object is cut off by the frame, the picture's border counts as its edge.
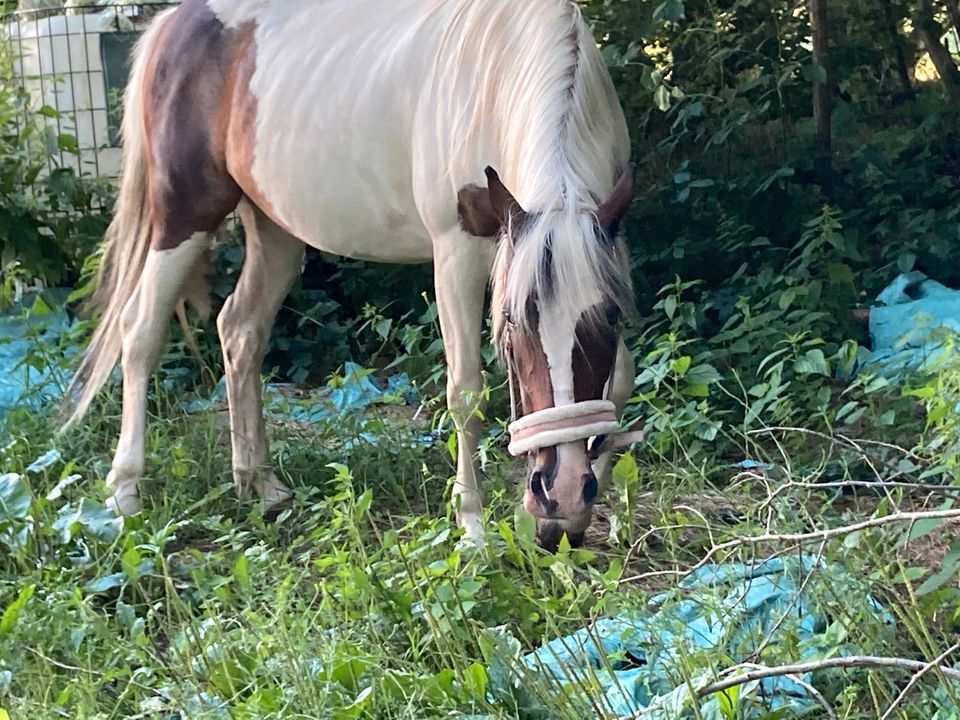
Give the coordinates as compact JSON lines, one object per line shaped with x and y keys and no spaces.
{"x":273,"y":260}
{"x":143,"y":325}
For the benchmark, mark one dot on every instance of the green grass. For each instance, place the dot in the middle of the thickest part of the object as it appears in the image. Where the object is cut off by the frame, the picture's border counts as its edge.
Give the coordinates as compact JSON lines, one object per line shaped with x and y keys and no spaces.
{"x":357,"y":602}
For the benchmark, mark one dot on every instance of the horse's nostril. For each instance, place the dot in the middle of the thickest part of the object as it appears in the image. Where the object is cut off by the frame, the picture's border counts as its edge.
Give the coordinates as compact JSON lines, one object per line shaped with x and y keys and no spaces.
{"x":536,"y":483}
{"x":590,"y":488}
{"x":536,"y":488}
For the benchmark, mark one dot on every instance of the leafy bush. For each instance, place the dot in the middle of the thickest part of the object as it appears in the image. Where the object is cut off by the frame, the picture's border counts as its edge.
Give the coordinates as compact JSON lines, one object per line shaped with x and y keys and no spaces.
{"x":50,"y":219}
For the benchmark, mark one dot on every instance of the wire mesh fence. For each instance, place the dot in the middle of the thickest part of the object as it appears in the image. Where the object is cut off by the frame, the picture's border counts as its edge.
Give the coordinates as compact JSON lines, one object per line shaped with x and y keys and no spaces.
{"x":71,"y":66}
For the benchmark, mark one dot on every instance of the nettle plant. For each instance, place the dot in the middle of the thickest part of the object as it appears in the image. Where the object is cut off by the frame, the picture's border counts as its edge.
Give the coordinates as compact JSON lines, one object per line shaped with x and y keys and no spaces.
{"x":764,"y":348}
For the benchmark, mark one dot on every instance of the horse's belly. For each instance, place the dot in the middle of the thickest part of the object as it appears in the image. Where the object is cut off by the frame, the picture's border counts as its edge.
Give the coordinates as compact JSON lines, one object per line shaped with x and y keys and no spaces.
{"x":342,"y":190}
{"x":337,"y":202}
{"x":360,"y":231}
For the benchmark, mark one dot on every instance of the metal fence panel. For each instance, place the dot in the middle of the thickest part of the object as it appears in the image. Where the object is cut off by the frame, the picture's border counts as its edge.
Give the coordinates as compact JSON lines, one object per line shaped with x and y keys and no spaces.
{"x":73,"y":65}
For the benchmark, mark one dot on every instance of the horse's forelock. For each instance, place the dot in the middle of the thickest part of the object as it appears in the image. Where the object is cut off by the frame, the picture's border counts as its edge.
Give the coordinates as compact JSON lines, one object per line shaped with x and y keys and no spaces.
{"x":558,"y":257}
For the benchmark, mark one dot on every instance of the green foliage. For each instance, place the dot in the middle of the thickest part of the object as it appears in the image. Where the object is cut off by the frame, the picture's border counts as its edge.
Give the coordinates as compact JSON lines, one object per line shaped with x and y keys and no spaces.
{"x":341,"y":310}
{"x":732,"y":157}
{"x":336,"y":611}
{"x":751,"y":249}
{"x":358,"y":603}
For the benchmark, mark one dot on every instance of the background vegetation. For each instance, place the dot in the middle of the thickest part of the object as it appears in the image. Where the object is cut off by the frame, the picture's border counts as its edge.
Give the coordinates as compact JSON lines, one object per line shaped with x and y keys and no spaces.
{"x":787,"y":173}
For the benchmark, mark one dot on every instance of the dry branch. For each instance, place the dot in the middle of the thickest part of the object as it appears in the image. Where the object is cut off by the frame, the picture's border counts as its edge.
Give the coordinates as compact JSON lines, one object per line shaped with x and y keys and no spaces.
{"x":759,"y":672}
{"x":916,"y":678}
{"x":799,"y":538}
{"x":852,"y":661}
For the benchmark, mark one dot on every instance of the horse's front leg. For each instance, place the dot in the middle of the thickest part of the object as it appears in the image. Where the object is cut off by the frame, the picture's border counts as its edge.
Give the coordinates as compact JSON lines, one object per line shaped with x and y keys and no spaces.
{"x":461,"y":271}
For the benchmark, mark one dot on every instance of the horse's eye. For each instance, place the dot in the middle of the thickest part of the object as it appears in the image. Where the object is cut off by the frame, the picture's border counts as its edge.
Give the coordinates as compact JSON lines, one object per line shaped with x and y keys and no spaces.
{"x":613,"y":315}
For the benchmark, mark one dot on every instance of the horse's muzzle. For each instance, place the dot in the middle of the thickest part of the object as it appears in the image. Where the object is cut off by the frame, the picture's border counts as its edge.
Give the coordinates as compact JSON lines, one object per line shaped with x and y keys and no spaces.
{"x":561,"y":485}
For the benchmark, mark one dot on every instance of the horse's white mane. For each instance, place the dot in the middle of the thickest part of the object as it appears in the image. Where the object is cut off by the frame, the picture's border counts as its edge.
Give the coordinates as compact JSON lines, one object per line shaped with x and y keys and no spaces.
{"x":528,"y":78}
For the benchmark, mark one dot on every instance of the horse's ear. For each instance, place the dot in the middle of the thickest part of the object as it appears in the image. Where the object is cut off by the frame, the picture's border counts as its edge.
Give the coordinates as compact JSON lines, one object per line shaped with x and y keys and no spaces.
{"x":504,"y":204}
{"x":611,"y":213}
{"x":485,"y":211}
{"x":476,"y":212}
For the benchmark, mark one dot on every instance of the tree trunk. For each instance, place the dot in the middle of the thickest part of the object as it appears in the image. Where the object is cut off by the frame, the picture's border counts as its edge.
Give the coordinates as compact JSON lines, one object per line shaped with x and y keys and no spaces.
{"x":930,"y":32}
{"x":821,"y":90}
{"x":900,"y":53}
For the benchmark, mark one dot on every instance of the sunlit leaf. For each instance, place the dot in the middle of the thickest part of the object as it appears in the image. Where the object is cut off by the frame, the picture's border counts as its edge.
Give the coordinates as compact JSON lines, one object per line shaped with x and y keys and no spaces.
{"x":51,"y":457}
{"x":813,"y":362}
{"x":88,"y":518}
{"x":105,"y":583}
{"x":661,"y":98}
{"x":8,"y":621}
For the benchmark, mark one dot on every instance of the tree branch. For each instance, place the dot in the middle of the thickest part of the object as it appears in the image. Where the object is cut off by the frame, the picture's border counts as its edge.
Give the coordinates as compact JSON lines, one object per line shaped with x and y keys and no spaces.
{"x":761,"y":672}
{"x":822,"y":105}
{"x":916,"y":678}
{"x":852,"y":661}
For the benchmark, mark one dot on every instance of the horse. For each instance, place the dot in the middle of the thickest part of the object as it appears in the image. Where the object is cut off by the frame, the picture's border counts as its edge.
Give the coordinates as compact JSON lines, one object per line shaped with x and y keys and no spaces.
{"x":485,"y":136}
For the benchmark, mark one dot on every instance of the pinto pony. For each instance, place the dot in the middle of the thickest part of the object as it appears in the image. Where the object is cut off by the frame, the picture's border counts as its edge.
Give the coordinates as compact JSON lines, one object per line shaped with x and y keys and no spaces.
{"x":363,"y":128}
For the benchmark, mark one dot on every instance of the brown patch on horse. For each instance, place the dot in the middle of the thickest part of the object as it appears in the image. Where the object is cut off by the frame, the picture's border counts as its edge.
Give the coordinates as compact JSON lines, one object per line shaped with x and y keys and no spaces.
{"x":476,"y":213}
{"x":239,"y":120}
{"x":614,"y":209}
{"x":593,"y":357}
{"x":190,"y":188}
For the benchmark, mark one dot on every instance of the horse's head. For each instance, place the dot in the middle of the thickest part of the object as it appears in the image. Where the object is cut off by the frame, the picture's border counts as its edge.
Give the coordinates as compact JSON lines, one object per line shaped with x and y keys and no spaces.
{"x":561,"y":287}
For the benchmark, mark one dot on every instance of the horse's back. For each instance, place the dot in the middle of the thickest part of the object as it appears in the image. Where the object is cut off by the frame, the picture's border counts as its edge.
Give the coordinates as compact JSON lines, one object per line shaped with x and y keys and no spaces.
{"x":351,"y":123}
{"x":336,"y":86}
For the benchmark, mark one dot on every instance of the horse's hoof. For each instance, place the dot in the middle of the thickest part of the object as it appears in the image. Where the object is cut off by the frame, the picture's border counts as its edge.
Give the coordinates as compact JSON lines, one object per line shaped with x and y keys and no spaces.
{"x":125,"y":504}
{"x":272,"y":513}
{"x":272,"y":492}
{"x":471,"y":543}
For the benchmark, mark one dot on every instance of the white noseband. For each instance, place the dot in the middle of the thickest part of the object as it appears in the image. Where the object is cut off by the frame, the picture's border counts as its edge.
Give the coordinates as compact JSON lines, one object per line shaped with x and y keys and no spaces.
{"x":567,"y":423}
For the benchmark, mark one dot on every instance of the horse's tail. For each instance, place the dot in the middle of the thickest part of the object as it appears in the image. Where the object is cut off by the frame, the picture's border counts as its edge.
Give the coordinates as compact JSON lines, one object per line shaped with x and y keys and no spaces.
{"x":125,"y":244}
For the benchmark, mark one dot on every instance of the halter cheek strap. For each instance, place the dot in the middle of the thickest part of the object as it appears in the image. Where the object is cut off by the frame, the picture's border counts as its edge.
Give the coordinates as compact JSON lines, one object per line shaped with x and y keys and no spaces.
{"x":555,"y":425}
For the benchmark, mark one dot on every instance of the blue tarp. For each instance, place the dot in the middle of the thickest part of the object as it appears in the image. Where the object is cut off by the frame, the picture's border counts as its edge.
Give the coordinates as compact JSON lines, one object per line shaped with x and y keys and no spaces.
{"x":716,"y":617}
{"x":353,"y":391}
{"x":31,"y":375}
{"x":908,"y":323}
